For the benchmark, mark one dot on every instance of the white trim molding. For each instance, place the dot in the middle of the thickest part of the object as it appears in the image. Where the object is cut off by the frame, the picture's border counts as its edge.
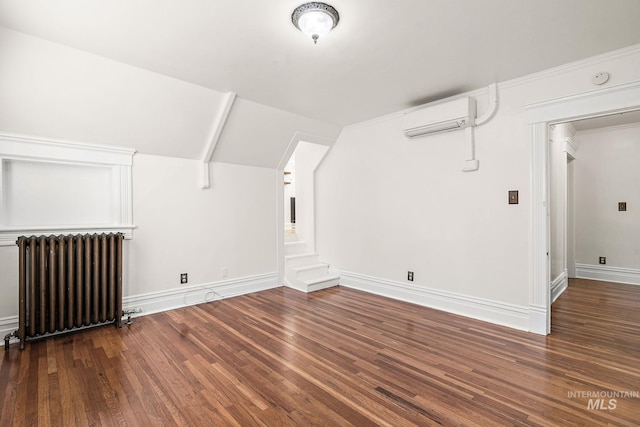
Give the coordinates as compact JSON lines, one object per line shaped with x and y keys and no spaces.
{"x":500,"y":313}
{"x":570,"y":147}
{"x":296,"y":138}
{"x":31,"y":147}
{"x":614,"y":99}
{"x":539,"y":289}
{"x":538,"y":316}
{"x":559,"y":285}
{"x":214,"y":137}
{"x":114,"y":162}
{"x":9,"y":235}
{"x":8,"y":325}
{"x":630,"y":276}
{"x":171,"y":299}
{"x":539,"y":116}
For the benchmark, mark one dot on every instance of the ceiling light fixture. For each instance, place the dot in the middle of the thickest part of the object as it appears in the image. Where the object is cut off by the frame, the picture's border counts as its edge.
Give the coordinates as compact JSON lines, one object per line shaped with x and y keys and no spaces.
{"x":315,"y":19}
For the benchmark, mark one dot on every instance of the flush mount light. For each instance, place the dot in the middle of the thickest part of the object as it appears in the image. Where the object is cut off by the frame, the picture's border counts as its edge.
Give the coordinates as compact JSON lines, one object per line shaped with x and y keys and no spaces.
{"x":315,"y":19}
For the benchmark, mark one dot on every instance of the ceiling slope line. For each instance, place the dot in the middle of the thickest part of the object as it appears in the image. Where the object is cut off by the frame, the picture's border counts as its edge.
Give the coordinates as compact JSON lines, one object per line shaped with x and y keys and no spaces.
{"x":214,"y":137}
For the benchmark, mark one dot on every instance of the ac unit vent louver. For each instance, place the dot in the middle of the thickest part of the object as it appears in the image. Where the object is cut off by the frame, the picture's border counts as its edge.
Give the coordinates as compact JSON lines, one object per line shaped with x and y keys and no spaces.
{"x":445,"y":117}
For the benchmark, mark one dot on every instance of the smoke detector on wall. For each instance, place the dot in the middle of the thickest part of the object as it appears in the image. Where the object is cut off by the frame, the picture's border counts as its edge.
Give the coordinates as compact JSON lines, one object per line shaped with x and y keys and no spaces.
{"x":600,"y":78}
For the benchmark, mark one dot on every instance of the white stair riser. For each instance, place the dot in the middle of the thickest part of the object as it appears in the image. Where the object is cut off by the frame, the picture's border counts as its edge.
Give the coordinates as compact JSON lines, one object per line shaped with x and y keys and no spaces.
{"x":295,"y":248}
{"x":312,"y":273}
{"x":299,"y":261}
{"x":322,"y":285}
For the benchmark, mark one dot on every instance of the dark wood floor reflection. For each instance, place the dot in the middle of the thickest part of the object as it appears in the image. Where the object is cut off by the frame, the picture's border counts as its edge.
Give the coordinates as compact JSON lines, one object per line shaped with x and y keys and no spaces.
{"x":335,"y":357}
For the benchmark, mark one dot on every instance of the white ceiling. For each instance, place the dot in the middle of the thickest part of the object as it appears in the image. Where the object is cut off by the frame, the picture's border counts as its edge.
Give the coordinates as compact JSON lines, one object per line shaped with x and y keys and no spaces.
{"x":383,"y":56}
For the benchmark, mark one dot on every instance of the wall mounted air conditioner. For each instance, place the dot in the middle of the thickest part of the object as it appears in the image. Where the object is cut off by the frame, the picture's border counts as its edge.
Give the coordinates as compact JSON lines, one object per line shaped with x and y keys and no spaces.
{"x":445,"y":117}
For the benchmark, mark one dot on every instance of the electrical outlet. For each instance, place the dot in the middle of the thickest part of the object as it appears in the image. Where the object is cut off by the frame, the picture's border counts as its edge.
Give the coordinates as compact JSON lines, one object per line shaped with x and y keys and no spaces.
{"x":183,"y":278}
{"x":410,"y":276}
{"x":603,"y":260}
{"x":224,"y":272}
{"x":622,"y":206}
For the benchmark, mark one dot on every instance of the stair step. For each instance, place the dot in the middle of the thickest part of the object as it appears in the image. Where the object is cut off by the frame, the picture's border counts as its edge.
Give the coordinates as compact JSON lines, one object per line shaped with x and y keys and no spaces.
{"x":323,"y":282}
{"x":302,"y":255}
{"x":295,"y":248}
{"x":310,"y":267}
{"x":308,"y":272}
{"x":300,"y":259}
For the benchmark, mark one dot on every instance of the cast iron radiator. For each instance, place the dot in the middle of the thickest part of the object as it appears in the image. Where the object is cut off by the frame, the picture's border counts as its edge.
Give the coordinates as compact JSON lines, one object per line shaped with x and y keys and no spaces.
{"x":68,"y":282}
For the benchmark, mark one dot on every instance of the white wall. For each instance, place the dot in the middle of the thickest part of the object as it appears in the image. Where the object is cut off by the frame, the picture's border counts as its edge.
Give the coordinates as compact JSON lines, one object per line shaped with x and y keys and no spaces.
{"x":8,"y":282}
{"x":308,"y":156}
{"x":561,"y":135}
{"x":259,"y":135}
{"x":557,"y":176}
{"x":607,"y":172}
{"x":52,"y":91}
{"x":571,"y":220}
{"x":289,"y":189}
{"x":184,"y":229}
{"x":388,"y":204}
{"x":561,"y":141}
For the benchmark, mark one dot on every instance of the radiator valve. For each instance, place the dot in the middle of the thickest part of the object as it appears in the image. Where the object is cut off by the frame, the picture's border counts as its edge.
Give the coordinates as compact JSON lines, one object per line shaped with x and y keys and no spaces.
{"x":7,"y":338}
{"x":129,"y":312}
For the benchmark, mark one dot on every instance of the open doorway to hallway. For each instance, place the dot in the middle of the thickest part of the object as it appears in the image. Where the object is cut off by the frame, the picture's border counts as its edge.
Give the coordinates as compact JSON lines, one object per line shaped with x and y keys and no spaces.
{"x":304,"y":270}
{"x":594,"y":201}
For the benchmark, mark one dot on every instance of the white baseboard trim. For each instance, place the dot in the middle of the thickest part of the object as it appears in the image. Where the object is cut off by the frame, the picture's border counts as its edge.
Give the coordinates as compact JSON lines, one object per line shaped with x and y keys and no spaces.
{"x":538,"y":320}
{"x":510,"y":315}
{"x":8,"y":325}
{"x":559,"y":285}
{"x":171,"y":299}
{"x":155,"y":302}
{"x":630,"y":276}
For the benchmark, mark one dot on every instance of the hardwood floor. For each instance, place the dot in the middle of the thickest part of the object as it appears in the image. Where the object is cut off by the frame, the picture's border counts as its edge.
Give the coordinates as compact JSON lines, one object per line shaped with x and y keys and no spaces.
{"x":335,"y":357}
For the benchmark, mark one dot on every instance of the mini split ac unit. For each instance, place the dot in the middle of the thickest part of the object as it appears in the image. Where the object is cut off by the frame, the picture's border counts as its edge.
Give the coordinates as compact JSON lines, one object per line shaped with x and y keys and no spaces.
{"x":445,"y":117}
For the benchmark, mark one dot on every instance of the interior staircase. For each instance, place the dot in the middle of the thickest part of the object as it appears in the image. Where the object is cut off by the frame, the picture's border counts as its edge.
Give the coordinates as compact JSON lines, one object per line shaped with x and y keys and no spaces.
{"x":304,"y":271}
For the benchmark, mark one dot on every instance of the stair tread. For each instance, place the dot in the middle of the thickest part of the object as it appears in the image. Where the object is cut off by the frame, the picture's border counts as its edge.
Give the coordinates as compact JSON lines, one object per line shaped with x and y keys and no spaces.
{"x":325,"y":278}
{"x":309,"y":266}
{"x":296,"y":256}
{"x":295,"y":243}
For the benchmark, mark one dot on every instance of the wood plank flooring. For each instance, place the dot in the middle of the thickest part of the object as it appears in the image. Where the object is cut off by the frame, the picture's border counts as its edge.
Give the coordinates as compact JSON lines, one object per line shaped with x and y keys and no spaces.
{"x":334,"y":358}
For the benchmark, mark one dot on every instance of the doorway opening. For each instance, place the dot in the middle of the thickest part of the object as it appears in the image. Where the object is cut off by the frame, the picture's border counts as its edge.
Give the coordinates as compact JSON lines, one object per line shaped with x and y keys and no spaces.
{"x":616,"y":99}
{"x":593,"y":179}
{"x":299,"y":265}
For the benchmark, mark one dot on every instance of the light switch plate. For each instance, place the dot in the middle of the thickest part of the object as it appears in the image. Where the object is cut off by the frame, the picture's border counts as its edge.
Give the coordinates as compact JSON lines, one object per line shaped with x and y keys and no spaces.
{"x":513,"y":197}
{"x":622,"y":206}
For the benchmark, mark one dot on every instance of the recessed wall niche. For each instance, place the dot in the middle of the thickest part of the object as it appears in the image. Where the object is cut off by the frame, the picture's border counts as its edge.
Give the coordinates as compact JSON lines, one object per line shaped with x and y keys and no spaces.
{"x":54,"y":187}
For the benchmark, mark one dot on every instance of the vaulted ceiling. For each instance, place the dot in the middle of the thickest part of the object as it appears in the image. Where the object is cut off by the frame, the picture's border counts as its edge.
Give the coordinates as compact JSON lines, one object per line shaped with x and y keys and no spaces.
{"x":384,"y":56}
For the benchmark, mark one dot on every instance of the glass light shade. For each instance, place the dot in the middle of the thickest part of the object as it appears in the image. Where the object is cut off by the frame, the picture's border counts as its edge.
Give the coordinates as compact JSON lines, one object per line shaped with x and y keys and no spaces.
{"x":315,"y":24}
{"x":315,"y":19}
